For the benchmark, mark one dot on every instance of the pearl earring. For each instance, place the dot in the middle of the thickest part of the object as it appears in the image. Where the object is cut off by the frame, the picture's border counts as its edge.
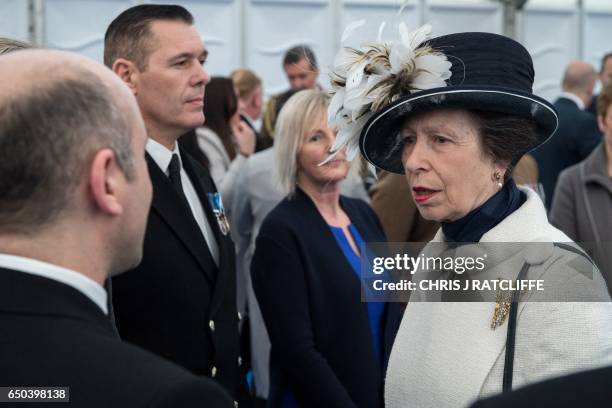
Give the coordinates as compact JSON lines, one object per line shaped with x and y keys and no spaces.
{"x":497,"y":177}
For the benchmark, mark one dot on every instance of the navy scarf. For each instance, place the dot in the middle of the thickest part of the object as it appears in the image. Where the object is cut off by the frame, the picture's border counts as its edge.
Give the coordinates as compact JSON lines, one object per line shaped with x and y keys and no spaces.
{"x":477,"y":222}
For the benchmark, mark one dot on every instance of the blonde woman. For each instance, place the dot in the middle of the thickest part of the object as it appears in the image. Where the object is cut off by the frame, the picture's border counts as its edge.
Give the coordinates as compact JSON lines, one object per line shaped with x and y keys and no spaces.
{"x":328,"y":347}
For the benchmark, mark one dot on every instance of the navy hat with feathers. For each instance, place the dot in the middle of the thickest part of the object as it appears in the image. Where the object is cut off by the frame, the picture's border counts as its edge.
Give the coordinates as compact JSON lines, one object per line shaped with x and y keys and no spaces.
{"x":488,"y":72}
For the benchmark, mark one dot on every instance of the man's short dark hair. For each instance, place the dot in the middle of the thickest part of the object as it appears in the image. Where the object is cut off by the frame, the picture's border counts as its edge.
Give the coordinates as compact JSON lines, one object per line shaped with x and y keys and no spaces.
{"x":129,"y":35}
{"x":603,"y":61}
{"x":298,"y":53}
{"x":47,"y":137}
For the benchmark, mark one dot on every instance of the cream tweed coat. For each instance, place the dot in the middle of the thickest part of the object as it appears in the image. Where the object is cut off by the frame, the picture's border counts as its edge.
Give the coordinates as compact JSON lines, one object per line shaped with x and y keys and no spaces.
{"x":447,"y":355}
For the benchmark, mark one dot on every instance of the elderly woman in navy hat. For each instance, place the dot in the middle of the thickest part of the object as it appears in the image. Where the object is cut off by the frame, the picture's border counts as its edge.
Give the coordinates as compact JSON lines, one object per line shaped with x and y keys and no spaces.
{"x":455,"y":114}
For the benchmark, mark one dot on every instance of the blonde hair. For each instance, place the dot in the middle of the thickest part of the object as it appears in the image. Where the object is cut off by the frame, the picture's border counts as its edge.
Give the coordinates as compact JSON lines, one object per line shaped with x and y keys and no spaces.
{"x":301,"y":111}
{"x":245,"y":81}
{"x":9,"y":45}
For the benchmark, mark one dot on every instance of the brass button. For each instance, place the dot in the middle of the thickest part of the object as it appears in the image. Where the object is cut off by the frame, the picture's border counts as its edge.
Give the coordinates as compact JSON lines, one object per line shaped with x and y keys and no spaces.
{"x":239,"y":316}
{"x":235,"y":404}
{"x":239,"y":361}
{"x":211,"y":324}
{"x":213,"y":372}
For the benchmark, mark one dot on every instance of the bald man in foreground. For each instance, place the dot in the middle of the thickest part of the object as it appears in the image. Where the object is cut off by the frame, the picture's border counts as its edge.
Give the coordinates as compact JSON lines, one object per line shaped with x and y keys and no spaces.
{"x":577,"y":134}
{"x":74,"y":198}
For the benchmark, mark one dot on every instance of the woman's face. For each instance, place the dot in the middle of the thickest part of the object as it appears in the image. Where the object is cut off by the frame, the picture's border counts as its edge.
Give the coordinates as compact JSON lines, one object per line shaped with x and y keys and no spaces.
{"x":447,"y":169}
{"x":316,"y":142}
{"x":605,"y":125}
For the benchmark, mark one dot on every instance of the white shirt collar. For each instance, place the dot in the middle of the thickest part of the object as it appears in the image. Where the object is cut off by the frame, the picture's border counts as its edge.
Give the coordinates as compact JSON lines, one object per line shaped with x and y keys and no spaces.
{"x":249,"y":119}
{"x":573,"y":98}
{"x":78,"y":281}
{"x":161,"y":155}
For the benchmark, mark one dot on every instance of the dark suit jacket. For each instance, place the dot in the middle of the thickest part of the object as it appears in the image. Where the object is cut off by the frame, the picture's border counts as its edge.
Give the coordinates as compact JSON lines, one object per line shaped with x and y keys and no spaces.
{"x":54,"y":336}
{"x":591,"y":389}
{"x":575,"y":138}
{"x":177,"y":303}
{"x":310,"y":299}
{"x":592,"y":108}
{"x":260,"y":143}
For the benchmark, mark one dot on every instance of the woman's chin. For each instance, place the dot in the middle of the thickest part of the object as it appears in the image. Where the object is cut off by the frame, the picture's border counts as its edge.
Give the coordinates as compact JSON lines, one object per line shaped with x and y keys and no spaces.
{"x":427,"y":213}
{"x":335,"y":178}
{"x":332,"y":182}
{"x":432,"y":213}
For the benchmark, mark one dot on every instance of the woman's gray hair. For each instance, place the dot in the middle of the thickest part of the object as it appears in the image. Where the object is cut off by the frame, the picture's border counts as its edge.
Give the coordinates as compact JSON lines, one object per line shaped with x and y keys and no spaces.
{"x":302,"y":110}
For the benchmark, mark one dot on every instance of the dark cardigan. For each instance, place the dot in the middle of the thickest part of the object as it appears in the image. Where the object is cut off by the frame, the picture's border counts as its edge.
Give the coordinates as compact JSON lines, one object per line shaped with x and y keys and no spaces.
{"x":310,"y":299}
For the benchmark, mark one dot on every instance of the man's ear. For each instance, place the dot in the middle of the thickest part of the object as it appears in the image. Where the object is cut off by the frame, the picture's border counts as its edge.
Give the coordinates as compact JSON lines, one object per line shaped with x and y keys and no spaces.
{"x":127,"y":71}
{"x":104,"y":180}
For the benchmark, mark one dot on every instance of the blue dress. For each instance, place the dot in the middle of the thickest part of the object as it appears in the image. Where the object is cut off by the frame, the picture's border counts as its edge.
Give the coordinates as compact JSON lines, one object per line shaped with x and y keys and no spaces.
{"x":376,"y":310}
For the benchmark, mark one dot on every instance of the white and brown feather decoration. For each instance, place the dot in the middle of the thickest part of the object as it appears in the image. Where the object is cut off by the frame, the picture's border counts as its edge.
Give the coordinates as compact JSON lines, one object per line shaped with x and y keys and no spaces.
{"x":370,"y":77}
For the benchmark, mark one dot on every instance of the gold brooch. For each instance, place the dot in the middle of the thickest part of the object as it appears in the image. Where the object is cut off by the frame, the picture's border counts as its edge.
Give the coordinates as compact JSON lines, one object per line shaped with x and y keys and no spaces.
{"x":503,"y":300}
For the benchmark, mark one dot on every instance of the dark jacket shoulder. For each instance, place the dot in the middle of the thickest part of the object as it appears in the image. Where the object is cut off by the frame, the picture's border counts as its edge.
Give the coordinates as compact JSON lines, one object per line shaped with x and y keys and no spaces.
{"x":585,"y":389}
{"x":54,"y":335}
{"x":297,"y":216}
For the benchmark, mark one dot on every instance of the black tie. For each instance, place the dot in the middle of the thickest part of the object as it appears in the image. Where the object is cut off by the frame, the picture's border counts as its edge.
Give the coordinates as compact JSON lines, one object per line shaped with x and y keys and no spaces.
{"x":174,"y":170}
{"x":175,"y":178}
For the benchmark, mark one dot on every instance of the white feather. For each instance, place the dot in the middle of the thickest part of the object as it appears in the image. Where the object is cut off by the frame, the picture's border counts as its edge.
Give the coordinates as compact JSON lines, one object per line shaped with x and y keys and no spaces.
{"x":379,"y":68}
{"x":342,"y":139}
{"x":417,"y":37}
{"x":398,"y":56}
{"x":381,"y":29}
{"x":404,"y":34}
{"x":427,"y":80}
{"x":352,"y":149}
{"x":343,"y":61}
{"x":353,"y":100}
{"x":350,"y":28}
{"x":356,"y":104}
{"x":352,"y":145}
{"x":329,"y":158}
{"x":335,"y":104}
{"x":374,"y":79}
{"x":436,"y":64}
{"x":372,"y":171}
{"x":375,"y":93}
{"x":403,"y":7}
{"x":355,"y":75}
{"x":341,"y":120}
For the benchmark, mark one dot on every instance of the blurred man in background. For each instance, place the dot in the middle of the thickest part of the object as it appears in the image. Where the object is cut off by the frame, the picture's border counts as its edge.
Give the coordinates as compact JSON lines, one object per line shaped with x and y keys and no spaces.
{"x":577,"y":134}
